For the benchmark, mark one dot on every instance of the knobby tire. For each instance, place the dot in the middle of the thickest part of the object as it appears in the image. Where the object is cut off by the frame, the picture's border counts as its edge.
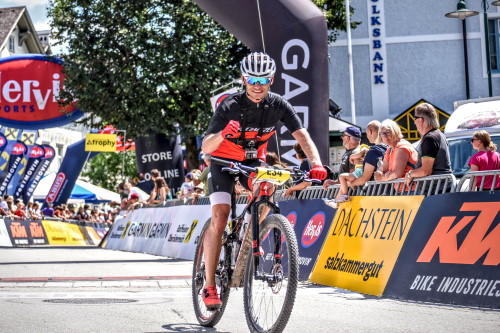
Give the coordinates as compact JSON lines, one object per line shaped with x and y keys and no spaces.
{"x":268,"y":307}
{"x":205,"y":317}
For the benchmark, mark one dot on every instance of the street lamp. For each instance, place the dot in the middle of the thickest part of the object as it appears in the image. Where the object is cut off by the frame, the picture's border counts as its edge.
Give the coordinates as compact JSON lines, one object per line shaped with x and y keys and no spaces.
{"x":462,"y":12}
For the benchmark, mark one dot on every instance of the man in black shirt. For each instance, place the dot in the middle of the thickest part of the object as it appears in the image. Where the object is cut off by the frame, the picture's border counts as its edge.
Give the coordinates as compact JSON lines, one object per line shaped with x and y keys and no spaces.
{"x":433,"y":152}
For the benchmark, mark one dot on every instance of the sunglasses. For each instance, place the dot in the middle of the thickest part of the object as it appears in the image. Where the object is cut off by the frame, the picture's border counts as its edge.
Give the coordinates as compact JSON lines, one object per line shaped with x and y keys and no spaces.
{"x":385,"y":133}
{"x":473,"y":139}
{"x":417,"y":117}
{"x":254,"y":80}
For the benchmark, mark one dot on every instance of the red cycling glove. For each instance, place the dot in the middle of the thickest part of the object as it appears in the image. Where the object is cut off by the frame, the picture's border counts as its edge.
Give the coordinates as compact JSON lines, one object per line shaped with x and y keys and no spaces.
{"x":231,"y":129}
{"x":318,"y":172}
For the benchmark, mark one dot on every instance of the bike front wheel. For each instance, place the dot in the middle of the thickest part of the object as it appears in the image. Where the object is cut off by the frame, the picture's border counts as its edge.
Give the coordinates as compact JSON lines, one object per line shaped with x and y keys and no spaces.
{"x":207,"y":317}
{"x":270,"y":288}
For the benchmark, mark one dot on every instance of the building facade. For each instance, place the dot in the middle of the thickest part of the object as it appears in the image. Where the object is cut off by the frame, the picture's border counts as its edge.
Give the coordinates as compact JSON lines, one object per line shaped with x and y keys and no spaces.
{"x":404,"y":51}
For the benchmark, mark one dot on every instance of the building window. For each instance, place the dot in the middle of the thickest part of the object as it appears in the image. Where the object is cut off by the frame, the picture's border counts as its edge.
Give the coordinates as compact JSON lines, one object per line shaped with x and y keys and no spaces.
{"x":494,"y":41}
{"x":11,"y":44}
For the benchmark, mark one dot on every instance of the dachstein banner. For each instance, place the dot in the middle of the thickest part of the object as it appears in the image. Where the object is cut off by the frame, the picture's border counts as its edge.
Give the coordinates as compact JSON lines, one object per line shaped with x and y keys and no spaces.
{"x":33,"y":177}
{"x":69,"y":171}
{"x":364,"y":242}
{"x":295,"y":36}
{"x":453,"y":254}
{"x":163,"y":153}
{"x":16,"y":155}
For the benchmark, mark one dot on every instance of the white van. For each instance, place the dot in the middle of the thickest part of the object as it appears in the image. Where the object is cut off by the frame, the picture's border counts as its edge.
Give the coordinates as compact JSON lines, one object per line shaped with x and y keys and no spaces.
{"x":471,"y":116}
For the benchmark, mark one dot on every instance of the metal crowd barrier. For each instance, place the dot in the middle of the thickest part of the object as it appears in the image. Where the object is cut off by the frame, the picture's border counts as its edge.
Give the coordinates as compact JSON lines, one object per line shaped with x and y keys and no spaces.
{"x":430,"y":185}
{"x":467,"y":181}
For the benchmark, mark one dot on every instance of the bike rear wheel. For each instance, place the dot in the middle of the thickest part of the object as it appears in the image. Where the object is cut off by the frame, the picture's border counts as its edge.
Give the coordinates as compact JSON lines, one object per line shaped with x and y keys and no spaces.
{"x":205,"y":316}
{"x":268,"y":301}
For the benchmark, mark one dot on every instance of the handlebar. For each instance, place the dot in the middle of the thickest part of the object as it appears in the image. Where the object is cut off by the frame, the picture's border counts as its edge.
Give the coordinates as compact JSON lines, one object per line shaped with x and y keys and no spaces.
{"x":265,"y":173}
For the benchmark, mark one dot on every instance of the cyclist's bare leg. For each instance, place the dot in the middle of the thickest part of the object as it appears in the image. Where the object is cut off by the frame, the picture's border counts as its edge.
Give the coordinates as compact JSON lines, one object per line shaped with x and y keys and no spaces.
{"x":212,"y":241}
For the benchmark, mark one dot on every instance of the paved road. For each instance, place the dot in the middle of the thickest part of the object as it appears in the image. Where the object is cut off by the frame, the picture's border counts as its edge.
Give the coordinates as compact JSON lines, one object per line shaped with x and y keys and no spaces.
{"x":96,"y":290}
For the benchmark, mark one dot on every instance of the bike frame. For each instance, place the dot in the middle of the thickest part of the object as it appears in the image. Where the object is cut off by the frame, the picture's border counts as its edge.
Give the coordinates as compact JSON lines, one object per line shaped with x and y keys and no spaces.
{"x":261,"y":196}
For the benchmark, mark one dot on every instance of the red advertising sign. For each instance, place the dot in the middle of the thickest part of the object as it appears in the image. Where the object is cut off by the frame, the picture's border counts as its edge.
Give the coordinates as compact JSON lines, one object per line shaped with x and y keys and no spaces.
{"x":29,"y":93}
{"x":56,"y":187}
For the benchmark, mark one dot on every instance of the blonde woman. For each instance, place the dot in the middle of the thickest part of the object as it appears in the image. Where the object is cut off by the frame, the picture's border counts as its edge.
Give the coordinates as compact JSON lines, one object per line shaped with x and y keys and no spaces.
{"x":487,"y":158}
{"x":399,"y":158}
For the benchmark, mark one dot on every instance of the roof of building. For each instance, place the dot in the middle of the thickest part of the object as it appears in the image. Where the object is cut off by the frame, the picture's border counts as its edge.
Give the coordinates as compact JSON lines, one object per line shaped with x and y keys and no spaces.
{"x":13,"y":17}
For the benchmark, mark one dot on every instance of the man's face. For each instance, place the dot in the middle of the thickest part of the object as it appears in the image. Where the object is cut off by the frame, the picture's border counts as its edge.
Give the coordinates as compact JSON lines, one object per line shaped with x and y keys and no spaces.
{"x":346,"y":138}
{"x":256,"y":92}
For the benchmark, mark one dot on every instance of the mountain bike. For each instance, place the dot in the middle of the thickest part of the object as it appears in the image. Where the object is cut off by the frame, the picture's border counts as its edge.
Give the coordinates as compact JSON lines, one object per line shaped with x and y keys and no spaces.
{"x":269,"y":275}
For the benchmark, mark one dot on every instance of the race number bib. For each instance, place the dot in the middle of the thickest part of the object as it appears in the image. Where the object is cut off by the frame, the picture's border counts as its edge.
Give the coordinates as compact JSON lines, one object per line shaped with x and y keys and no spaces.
{"x":274,"y":176}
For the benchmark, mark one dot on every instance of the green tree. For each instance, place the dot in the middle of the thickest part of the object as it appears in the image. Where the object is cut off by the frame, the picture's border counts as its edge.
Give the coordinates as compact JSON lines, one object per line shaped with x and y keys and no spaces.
{"x":334,"y":11}
{"x":148,"y":66}
{"x":145,"y":66}
{"x":105,"y":169}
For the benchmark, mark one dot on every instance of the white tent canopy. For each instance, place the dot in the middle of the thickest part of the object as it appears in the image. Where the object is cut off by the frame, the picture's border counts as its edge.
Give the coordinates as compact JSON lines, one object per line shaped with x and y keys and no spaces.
{"x":100,"y":193}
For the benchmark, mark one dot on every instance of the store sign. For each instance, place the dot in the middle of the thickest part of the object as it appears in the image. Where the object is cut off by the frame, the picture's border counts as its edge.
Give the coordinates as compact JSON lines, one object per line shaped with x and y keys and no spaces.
{"x":29,"y":93}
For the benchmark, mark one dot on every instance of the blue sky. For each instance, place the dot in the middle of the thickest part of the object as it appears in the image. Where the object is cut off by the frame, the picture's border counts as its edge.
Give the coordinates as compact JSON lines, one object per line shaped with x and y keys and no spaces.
{"x":36,"y":8}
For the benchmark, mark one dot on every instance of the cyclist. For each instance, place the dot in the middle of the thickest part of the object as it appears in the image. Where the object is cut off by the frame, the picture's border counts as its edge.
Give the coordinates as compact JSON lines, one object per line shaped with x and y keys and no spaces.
{"x":239,"y":130}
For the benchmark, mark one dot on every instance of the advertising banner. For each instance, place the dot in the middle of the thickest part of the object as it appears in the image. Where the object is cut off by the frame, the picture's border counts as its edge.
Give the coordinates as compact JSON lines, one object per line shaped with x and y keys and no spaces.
{"x":32,"y":178}
{"x":453,"y":255}
{"x":311,"y":220}
{"x":62,"y":233}
{"x":169,"y":231}
{"x":36,"y":153}
{"x":29,"y":93}
{"x":294,"y":34}
{"x":4,"y":157}
{"x":163,"y":153}
{"x":28,"y":137}
{"x":4,"y":235}
{"x":26,"y":232}
{"x":90,"y":234}
{"x":364,"y":241}
{"x":100,"y":142}
{"x":16,"y":155}
{"x":217,"y":99}
{"x":70,"y":169}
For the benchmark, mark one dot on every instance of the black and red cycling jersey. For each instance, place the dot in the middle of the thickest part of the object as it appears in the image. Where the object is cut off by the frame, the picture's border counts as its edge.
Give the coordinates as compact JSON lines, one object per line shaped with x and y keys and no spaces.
{"x":259,"y":119}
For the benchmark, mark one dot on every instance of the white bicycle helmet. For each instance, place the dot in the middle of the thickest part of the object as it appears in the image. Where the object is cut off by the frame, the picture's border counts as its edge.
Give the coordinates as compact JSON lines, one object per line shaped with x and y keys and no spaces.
{"x":258,"y":64}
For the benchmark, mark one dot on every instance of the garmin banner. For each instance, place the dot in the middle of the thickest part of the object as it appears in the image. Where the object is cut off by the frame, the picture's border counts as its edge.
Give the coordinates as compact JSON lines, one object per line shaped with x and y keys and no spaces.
{"x":68,"y":173}
{"x":295,"y":36}
{"x":16,"y":155}
{"x":32,"y":178}
{"x":163,"y":153}
{"x":452,"y":254}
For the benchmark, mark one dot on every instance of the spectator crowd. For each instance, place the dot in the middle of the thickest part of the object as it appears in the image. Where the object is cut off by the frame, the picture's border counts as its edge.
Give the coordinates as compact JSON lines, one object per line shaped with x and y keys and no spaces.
{"x":16,"y":209}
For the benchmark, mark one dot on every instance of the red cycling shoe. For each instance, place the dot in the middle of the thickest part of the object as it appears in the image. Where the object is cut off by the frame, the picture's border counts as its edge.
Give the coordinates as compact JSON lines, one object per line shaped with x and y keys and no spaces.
{"x":210,"y":298}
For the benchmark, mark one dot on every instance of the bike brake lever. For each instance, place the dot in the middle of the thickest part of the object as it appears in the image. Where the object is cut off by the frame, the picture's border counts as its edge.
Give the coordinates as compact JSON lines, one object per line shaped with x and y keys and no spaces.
{"x":232,"y":171}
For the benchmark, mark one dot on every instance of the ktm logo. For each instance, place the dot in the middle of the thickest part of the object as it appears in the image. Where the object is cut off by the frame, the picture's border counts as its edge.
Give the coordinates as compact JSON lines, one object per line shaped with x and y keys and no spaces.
{"x":18,"y":230}
{"x":36,"y":230}
{"x":482,"y":239}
